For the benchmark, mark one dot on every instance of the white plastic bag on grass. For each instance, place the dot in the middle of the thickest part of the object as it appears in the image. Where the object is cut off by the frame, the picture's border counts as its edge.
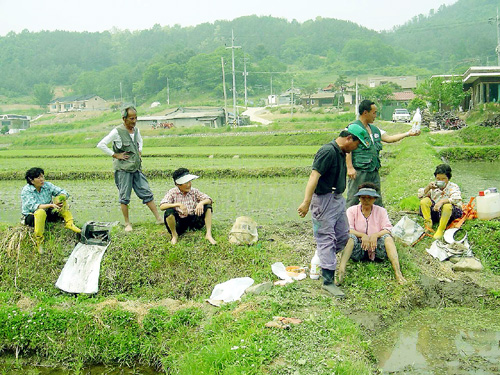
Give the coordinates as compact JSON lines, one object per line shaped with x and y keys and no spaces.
{"x":231,"y":290}
{"x":407,"y":230}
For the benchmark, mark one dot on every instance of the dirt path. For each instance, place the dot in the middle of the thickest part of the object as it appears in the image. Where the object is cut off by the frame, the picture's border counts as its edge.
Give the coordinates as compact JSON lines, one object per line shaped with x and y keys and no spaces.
{"x":253,"y":113}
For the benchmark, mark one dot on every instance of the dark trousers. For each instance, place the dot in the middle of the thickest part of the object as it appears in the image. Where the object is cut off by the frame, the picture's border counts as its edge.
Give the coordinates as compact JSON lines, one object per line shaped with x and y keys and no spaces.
{"x":182,"y":224}
{"x":52,"y":217}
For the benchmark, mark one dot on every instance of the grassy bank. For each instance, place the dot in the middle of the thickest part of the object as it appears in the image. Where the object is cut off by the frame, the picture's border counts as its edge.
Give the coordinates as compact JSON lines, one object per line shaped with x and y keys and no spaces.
{"x":486,"y":153}
{"x":473,"y":135}
{"x":311,"y":130}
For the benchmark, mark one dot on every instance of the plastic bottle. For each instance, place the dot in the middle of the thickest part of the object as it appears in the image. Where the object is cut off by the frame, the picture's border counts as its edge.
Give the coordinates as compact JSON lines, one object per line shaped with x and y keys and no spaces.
{"x":488,"y":205}
{"x":417,"y":119}
{"x":315,"y":268}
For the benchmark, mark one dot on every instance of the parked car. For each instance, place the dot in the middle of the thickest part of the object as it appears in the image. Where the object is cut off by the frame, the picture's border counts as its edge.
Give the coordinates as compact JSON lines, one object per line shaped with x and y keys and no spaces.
{"x":401,"y":114}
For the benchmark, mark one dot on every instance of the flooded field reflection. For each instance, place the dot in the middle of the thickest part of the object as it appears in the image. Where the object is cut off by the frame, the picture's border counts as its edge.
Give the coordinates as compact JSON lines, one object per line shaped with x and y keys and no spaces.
{"x":266,"y":200}
{"x":432,"y":344}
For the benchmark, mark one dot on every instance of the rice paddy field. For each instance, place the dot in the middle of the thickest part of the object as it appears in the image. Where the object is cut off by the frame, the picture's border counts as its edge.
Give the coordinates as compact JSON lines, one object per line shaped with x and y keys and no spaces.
{"x":266,"y":199}
{"x":264,"y":181}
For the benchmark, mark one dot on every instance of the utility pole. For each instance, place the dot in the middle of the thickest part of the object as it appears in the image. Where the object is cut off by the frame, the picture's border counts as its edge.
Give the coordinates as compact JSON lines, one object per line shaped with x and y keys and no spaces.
{"x":498,"y":41}
{"x":357,"y":101}
{"x":168,"y":93}
{"x":121,"y":94}
{"x":291,"y":102}
{"x":234,"y":77}
{"x":497,"y":48}
{"x":224,"y":86}
{"x":245,"y":75}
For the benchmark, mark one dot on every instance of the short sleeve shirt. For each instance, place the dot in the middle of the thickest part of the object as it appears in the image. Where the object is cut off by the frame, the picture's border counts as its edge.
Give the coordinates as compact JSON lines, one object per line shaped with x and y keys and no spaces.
{"x":190,"y":200}
{"x":329,"y":162}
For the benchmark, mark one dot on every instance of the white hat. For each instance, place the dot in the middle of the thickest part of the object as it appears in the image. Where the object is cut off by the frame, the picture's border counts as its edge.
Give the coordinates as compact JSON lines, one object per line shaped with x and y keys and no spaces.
{"x":185,"y":178}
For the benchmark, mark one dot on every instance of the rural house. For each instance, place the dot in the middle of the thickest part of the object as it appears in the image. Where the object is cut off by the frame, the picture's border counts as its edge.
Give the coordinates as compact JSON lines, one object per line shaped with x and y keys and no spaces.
{"x":284,"y":98}
{"x":347,"y":92}
{"x":405,"y":82}
{"x":77,"y":103}
{"x":484,"y":84}
{"x":319,"y":99}
{"x":15,"y":123}
{"x":206,"y":116}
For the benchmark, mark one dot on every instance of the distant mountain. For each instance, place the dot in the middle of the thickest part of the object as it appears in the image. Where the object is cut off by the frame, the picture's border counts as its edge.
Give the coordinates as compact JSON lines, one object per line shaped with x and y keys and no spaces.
{"x":451,"y":38}
{"x":61,"y":57}
{"x":138,"y":64}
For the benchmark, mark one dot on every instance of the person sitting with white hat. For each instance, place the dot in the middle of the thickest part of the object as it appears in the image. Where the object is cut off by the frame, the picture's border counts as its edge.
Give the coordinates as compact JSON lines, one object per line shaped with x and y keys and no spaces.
{"x":370,"y":233}
{"x":186,"y":207}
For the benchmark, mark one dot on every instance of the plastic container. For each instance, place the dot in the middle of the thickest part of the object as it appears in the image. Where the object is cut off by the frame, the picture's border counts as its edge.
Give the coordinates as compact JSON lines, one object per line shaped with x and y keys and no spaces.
{"x":294,"y":271}
{"x":315,"y":268}
{"x":417,"y":119}
{"x":488,"y":206}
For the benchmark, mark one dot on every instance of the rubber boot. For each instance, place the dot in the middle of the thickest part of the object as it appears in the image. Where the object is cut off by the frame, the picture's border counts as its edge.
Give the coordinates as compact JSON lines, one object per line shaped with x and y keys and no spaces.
{"x":40,"y":216}
{"x":443,"y":221}
{"x":328,"y":285}
{"x":425,"y":207}
{"x":68,"y":218}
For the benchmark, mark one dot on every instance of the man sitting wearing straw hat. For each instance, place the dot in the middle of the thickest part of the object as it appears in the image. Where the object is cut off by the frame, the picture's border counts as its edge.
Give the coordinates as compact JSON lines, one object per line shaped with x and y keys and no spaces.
{"x":186,"y":208}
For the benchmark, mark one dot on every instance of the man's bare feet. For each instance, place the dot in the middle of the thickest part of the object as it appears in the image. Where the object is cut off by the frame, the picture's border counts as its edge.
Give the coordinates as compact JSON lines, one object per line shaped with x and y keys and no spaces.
{"x":128,"y":228}
{"x":400,"y":279}
{"x":174,"y":239}
{"x":211,"y":239}
{"x":340,"y":274}
{"x":160,"y":221}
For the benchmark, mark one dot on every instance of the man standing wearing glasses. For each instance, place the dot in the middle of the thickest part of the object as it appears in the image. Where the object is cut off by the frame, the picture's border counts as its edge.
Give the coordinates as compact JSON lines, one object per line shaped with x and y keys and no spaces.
{"x":126,"y":153}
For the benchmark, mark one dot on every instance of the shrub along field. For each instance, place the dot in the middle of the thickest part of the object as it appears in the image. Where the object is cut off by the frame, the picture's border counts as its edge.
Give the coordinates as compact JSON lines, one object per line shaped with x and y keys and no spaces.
{"x":150,"y":308}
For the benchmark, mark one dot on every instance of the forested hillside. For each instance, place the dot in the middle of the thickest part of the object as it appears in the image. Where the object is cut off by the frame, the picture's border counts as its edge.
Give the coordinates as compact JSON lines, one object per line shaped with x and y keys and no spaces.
{"x":451,"y":38}
{"x":274,"y":51}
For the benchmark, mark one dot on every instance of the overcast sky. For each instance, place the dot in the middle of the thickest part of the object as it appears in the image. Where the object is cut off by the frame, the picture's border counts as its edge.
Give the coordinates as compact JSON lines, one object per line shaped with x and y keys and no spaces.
{"x":101,"y":15}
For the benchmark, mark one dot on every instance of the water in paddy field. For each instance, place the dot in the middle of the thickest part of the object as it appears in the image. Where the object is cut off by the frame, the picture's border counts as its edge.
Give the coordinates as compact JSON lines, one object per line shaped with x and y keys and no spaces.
{"x":474,"y":176}
{"x":266,"y":200}
{"x":431,"y":344}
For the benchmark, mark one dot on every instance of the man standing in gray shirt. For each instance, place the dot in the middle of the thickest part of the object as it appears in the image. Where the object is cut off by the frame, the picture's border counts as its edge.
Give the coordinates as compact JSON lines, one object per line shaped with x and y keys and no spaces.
{"x":126,"y":153}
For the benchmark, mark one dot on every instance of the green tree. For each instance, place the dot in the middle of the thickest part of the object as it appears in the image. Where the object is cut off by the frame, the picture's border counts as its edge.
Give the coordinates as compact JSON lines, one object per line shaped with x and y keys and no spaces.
{"x":260,"y":51}
{"x":203,"y":71}
{"x":341,"y":82}
{"x":311,"y":62}
{"x":417,"y":103}
{"x":340,"y":87}
{"x":293,"y":49}
{"x":43,"y":94}
{"x":442,"y":93}
{"x":379,"y":94}
{"x":371,"y":53}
